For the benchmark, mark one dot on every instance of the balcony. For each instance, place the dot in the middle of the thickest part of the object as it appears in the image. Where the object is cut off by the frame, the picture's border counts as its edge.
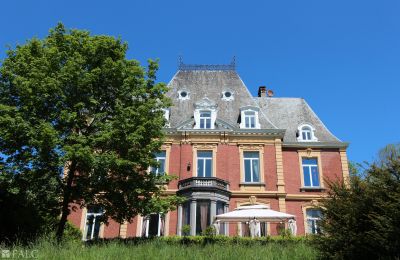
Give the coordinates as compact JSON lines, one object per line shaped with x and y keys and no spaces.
{"x":203,"y":184}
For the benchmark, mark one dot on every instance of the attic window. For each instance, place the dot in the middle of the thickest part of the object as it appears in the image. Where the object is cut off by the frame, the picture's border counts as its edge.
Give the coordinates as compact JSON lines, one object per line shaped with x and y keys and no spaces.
{"x":306,"y":133}
{"x":183,"y":95}
{"x":249,"y":118}
{"x":227,"y":95}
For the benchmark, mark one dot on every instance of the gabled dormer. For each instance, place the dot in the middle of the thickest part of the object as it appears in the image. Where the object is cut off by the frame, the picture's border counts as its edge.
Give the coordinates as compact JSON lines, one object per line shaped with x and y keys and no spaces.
{"x":205,"y":114}
{"x":249,"y":117}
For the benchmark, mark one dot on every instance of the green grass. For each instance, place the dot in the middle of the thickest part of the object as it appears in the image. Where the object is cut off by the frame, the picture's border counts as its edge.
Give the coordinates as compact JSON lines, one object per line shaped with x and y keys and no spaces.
{"x":171,"y":249}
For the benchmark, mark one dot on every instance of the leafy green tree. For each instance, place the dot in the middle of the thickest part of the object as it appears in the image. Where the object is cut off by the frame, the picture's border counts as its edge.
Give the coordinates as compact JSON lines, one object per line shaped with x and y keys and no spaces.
{"x":362,"y":220}
{"x":79,"y":123}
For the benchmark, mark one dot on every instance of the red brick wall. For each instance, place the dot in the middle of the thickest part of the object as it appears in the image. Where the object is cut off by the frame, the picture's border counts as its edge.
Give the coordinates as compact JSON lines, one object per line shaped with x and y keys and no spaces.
{"x":228,"y":165}
{"x":294,"y":208}
{"x":291,"y":171}
{"x":76,"y":215}
{"x":112,"y":229}
{"x":270,"y":168}
{"x":173,"y":222}
{"x":131,"y":230}
{"x":331,"y":165}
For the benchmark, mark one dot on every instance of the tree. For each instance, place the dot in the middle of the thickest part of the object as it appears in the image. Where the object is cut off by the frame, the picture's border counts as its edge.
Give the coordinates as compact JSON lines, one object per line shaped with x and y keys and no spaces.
{"x":79,"y":123}
{"x":362,"y":220}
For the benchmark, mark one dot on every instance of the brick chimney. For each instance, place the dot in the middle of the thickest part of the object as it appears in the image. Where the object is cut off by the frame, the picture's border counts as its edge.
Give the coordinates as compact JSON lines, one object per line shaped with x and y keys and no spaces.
{"x":262,"y":91}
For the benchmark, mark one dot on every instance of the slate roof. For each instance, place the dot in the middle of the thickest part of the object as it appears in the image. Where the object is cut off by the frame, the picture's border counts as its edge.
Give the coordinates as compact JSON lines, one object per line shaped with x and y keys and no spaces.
{"x":210,"y":84}
{"x":204,"y":85}
{"x":289,"y":113}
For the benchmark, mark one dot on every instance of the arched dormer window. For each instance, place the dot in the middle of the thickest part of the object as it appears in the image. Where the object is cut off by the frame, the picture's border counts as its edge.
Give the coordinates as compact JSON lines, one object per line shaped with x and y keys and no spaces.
{"x":249,"y":118}
{"x":306,"y":133}
{"x":205,"y":114}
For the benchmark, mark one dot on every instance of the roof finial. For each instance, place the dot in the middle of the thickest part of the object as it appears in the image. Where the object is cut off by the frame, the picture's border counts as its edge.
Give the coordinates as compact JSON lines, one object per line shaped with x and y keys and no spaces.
{"x":233,"y":60}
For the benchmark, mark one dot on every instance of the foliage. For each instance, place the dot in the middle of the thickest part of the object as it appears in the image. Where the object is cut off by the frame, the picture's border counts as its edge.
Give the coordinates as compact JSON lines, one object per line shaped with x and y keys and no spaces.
{"x":210,"y":231}
{"x":79,"y":122}
{"x":186,"y":230}
{"x":362,"y":221}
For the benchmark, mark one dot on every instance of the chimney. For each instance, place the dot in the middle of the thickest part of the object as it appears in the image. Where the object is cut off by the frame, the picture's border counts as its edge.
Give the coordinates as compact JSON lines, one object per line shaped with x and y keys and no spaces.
{"x":262,"y":91}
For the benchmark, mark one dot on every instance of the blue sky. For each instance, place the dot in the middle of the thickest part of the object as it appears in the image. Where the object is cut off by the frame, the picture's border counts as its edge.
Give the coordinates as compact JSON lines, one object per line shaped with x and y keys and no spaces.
{"x":343,"y":57}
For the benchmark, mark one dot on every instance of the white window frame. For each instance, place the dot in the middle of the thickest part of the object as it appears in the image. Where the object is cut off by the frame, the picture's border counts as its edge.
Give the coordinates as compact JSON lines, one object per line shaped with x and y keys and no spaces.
{"x":313,"y":220}
{"x":147,"y":219}
{"x":243,"y":116}
{"x":204,"y":119}
{"x":203,"y":160}
{"x":158,"y":158}
{"x":187,"y":97}
{"x":251,"y":167}
{"x":310,"y":166}
{"x":95,"y":215}
{"x":166,"y":116}
{"x":305,"y":129}
{"x":225,"y":98}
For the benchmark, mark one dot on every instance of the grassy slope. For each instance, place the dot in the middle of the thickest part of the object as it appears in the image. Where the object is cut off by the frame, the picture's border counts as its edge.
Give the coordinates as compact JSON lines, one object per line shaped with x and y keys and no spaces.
{"x":162,"y":250}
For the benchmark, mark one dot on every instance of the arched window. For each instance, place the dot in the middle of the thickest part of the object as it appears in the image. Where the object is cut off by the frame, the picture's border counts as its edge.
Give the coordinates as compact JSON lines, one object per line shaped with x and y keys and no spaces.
{"x":249,"y":118}
{"x":306,"y":133}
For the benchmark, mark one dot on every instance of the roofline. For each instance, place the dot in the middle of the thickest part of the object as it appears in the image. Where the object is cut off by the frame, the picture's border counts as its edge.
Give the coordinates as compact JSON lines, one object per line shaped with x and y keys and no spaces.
{"x":315,"y":144}
{"x":235,"y":132}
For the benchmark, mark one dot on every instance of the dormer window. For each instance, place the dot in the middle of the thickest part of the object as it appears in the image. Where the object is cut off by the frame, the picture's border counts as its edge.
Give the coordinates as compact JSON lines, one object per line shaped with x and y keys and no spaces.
{"x":249,"y":118}
{"x":306,"y":133}
{"x":183,"y":95}
{"x":166,"y":116}
{"x":205,"y":114}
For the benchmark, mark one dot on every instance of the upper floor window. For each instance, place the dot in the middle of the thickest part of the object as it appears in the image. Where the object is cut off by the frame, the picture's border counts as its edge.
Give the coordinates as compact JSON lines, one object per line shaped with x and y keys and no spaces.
{"x":249,"y":118}
{"x":313,"y":216}
{"x":251,"y":166}
{"x":160,"y":158}
{"x":204,"y":163}
{"x":306,"y":133}
{"x":205,"y":119}
{"x":311,"y":173}
{"x":93,"y":223}
{"x":166,"y":116}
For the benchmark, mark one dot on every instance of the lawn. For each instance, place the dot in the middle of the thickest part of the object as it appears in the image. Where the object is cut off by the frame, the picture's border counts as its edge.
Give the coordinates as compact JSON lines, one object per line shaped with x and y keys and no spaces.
{"x":167,"y":249}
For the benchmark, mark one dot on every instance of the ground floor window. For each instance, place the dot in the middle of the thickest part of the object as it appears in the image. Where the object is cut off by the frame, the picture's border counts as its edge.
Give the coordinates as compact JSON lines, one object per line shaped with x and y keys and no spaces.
{"x":153,"y":225}
{"x":93,"y":222}
{"x":202,"y":216}
{"x":313,"y":216}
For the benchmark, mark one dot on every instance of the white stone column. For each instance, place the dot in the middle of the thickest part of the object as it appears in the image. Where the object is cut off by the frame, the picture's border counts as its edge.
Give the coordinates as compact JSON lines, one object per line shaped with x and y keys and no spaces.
{"x":213,"y":210}
{"x":193,"y":206}
{"x":226,"y":209}
{"x":179,"y":226}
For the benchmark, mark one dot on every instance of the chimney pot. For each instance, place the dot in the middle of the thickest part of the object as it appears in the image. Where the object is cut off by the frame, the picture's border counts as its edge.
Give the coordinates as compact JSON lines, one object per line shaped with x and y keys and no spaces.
{"x":262,"y":91}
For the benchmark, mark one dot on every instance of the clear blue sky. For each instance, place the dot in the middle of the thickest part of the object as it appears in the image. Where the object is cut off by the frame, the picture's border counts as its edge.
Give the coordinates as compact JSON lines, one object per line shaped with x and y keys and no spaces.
{"x":343,"y":57}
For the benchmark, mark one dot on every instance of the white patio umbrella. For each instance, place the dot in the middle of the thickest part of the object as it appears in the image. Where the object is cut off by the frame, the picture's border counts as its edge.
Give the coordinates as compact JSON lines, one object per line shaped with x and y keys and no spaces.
{"x":260,"y":212}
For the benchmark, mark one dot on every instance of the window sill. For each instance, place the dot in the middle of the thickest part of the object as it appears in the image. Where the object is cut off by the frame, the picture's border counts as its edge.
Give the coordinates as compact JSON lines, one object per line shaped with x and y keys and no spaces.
{"x":312,"y":189}
{"x":252,"y":184}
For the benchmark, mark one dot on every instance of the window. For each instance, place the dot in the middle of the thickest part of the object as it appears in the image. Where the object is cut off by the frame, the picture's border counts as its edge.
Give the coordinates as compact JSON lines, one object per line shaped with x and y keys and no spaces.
{"x":160,"y":158}
{"x":249,"y":119}
{"x":93,"y":223}
{"x":205,"y":119}
{"x":183,"y":95}
{"x":313,"y":216}
{"x":204,"y":163}
{"x":310,"y":172}
{"x":203,"y":216}
{"x":227,"y":95}
{"x":251,"y":166}
{"x":153,"y":225}
{"x":306,"y":133}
